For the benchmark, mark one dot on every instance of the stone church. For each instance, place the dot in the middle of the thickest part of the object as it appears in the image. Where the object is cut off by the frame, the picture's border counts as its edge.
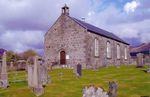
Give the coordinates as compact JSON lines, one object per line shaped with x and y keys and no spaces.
{"x":70,"y":41}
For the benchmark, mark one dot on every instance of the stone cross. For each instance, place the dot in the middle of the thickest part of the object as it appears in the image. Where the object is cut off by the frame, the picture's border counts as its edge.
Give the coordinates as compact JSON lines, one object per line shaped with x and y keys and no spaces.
{"x":4,"y":76}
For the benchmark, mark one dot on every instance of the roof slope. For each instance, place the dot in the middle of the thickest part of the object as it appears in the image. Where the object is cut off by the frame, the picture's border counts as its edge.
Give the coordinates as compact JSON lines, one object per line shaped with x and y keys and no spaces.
{"x":143,"y":48}
{"x":98,"y":31}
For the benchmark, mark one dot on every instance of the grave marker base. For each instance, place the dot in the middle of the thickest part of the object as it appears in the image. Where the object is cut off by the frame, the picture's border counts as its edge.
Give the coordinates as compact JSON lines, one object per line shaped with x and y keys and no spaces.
{"x":38,"y":91}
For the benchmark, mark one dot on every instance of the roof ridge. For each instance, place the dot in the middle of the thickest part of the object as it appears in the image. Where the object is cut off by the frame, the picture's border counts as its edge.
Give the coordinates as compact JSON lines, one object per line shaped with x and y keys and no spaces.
{"x":98,"y":30}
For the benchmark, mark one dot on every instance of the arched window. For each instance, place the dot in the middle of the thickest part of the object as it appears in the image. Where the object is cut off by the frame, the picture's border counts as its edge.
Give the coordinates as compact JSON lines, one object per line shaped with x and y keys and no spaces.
{"x":125,"y":53}
{"x":118,"y":51}
{"x":96,"y":45}
{"x":108,"y":49}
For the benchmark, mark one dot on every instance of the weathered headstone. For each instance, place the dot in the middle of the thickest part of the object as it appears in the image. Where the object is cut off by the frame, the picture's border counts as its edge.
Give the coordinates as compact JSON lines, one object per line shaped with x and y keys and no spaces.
{"x":148,"y":70}
{"x":93,"y":91}
{"x":78,"y":71}
{"x":4,"y":76}
{"x":43,"y":72}
{"x":30,"y":75}
{"x":112,"y":89}
{"x":11,"y":66}
{"x":140,"y":60}
{"x":37,"y":86}
{"x":35,"y":77}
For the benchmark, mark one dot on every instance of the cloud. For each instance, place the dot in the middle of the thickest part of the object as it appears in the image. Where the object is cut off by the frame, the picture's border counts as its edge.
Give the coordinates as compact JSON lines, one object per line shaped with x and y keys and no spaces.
{"x":22,"y":40}
{"x":129,"y":26}
{"x":131,"y":6}
{"x":23,"y":23}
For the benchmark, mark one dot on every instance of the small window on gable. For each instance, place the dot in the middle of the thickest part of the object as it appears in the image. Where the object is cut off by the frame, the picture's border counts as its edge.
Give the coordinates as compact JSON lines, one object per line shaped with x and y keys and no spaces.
{"x":125,"y":53}
{"x":108,"y":49}
{"x":96,"y":46}
{"x":118,"y":51}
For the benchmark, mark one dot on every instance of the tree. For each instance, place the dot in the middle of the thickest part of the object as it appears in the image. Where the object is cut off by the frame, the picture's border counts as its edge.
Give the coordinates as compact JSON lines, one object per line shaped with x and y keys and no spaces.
{"x":29,"y":53}
{"x":12,"y":56}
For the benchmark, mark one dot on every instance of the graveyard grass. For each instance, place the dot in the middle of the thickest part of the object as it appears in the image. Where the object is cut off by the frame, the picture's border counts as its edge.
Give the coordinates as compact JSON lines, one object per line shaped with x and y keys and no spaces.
{"x":132,"y":82}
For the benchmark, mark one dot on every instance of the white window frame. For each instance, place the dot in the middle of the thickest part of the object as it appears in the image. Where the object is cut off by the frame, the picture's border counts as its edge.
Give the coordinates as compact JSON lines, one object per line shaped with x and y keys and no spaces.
{"x":96,"y":47}
{"x":125,"y":53}
{"x":108,"y":50}
{"x":118,"y":51}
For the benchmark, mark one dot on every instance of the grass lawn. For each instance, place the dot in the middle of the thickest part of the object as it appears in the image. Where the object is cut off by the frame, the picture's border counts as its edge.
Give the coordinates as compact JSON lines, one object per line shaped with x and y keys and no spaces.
{"x":132,"y":82}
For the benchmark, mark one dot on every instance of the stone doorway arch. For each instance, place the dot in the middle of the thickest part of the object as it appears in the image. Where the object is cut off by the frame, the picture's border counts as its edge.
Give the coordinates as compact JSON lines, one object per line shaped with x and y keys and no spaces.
{"x":62,"y":57}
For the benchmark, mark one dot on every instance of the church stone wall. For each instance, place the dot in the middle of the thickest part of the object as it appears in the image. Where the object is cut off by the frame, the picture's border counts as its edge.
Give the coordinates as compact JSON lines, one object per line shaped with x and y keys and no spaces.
{"x":102,"y":60}
{"x":66,"y":35}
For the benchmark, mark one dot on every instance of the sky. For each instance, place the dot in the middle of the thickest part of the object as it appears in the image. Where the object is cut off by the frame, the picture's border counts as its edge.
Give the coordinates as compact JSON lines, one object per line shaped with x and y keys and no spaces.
{"x":23,"y":23}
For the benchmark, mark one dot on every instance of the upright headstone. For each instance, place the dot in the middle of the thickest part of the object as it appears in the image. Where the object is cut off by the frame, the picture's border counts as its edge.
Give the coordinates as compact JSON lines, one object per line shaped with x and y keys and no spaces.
{"x":30,"y":75}
{"x":37,"y":86}
{"x":140,"y":60}
{"x":0,"y":68}
{"x":78,"y":70}
{"x":11,"y":66}
{"x":112,"y":89}
{"x":4,"y":77}
{"x":37,"y":75}
{"x":43,"y":76}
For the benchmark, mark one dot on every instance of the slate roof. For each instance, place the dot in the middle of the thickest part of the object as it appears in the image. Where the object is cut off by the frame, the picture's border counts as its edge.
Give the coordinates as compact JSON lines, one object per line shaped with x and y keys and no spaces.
{"x":143,"y":48}
{"x":98,"y":31}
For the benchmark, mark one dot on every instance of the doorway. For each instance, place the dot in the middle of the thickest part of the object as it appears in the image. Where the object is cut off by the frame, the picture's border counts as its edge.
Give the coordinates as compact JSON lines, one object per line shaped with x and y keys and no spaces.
{"x":62,"y":57}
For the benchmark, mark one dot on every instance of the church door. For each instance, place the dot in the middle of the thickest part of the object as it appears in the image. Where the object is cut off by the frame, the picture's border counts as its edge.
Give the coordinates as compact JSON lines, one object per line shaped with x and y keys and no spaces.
{"x":62,"y":57}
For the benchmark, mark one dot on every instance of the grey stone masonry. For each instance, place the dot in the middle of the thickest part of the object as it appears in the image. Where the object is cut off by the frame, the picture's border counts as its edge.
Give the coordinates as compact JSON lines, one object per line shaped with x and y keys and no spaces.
{"x":3,"y":75}
{"x":37,"y":76}
{"x":77,"y":45}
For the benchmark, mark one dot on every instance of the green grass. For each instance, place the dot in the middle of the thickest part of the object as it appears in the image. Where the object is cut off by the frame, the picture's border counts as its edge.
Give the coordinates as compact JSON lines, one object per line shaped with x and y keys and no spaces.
{"x":132,"y":82}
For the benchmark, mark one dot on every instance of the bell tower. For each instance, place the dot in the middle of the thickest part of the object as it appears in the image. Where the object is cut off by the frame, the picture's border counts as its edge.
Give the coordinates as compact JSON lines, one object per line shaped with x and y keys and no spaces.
{"x":65,"y":10}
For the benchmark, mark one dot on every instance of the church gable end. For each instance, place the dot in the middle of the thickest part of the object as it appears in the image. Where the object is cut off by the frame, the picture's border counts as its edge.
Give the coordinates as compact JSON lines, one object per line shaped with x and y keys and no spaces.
{"x":70,"y":41}
{"x":67,"y":36}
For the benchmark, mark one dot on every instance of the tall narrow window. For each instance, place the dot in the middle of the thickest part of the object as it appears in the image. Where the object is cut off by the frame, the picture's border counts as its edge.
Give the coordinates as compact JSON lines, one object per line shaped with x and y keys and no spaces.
{"x":125,"y":53}
{"x":118,"y":51}
{"x":108,"y":50}
{"x":96,"y":47}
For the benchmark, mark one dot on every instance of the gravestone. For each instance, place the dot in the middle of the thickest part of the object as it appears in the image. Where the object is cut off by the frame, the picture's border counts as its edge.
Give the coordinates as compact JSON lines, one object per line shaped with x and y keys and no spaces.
{"x":0,"y":68}
{"x":34,"y":77}
{"x":11,"y":66}
{"x":4,"y":76}
{"x":79,"y":70}
{"x":93,"y":91}
{"x":140,"y":63}
{"x":112,"y":89}
{"x":148,"y":70}
{"x":30,"y":75}
{"x":37,"y":85}
{"x":43,"y":72}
